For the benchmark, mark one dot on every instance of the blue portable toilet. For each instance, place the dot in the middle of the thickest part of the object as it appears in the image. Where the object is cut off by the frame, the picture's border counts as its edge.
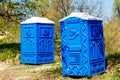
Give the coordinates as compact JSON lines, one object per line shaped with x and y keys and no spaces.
{"x":37,"y":41}
{"x":82,"y":45}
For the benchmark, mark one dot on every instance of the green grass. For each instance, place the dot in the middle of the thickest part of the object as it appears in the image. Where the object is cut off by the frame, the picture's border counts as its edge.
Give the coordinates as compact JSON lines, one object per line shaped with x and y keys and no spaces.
{"x":9,"y":50}
{"x":115,"y":76}
{"x":57,"y":59}
{"x":10,"y":45}
{"x":113,"y":66}
{"x":57,"y":47}
{"x":55,"y":70}
{"x":113,"y":60}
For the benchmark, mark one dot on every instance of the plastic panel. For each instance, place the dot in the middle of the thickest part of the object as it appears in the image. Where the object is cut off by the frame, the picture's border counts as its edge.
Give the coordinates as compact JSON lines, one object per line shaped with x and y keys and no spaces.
{"x":28,"y":45}
{"x":28,"y":39}
{"x":37,"y":43}
{"x":85,"y":48}
{"x":28,"y":58}
{"x":45,"y":32}
{"x":71,"y":48}
{"x":96,"y":32}
{"x":82,"y":47}
{"x":97,"y":67}
{"x":42,"y":58}
{"x":45,"y":43}
{"x":96,"y":47}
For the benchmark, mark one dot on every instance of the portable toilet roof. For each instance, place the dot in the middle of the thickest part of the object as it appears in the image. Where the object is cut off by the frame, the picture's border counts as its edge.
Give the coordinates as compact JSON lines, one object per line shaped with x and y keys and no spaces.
{"x":37,"y":20}
{"x":81,"y":15}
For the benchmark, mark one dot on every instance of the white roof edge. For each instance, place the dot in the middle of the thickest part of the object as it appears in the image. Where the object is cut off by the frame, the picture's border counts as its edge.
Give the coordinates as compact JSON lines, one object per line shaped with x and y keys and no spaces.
{"x":82,"y":16}
{"x":37,"y":20}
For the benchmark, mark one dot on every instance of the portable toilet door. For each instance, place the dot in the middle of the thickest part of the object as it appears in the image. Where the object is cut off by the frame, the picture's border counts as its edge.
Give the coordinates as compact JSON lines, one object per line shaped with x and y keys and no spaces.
{"x":37,"y":41}
{"x":82,"y":45}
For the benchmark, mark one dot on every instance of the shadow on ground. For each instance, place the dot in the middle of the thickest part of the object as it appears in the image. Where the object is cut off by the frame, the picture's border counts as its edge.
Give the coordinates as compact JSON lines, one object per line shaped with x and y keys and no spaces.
{"x":13,"y":46}
{"x":113,"y":59}
{"x":9,"y":51}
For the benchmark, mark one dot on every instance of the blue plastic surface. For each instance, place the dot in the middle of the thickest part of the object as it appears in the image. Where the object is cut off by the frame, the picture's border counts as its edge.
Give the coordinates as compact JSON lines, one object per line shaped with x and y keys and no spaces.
{"x":37,"y":43}
{"x":82,"y":47}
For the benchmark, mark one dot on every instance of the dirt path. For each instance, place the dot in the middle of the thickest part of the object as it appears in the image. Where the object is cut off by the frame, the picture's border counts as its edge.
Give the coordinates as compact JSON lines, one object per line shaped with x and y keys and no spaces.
{"x":3,"y":66}
{"x":21,"y":71}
